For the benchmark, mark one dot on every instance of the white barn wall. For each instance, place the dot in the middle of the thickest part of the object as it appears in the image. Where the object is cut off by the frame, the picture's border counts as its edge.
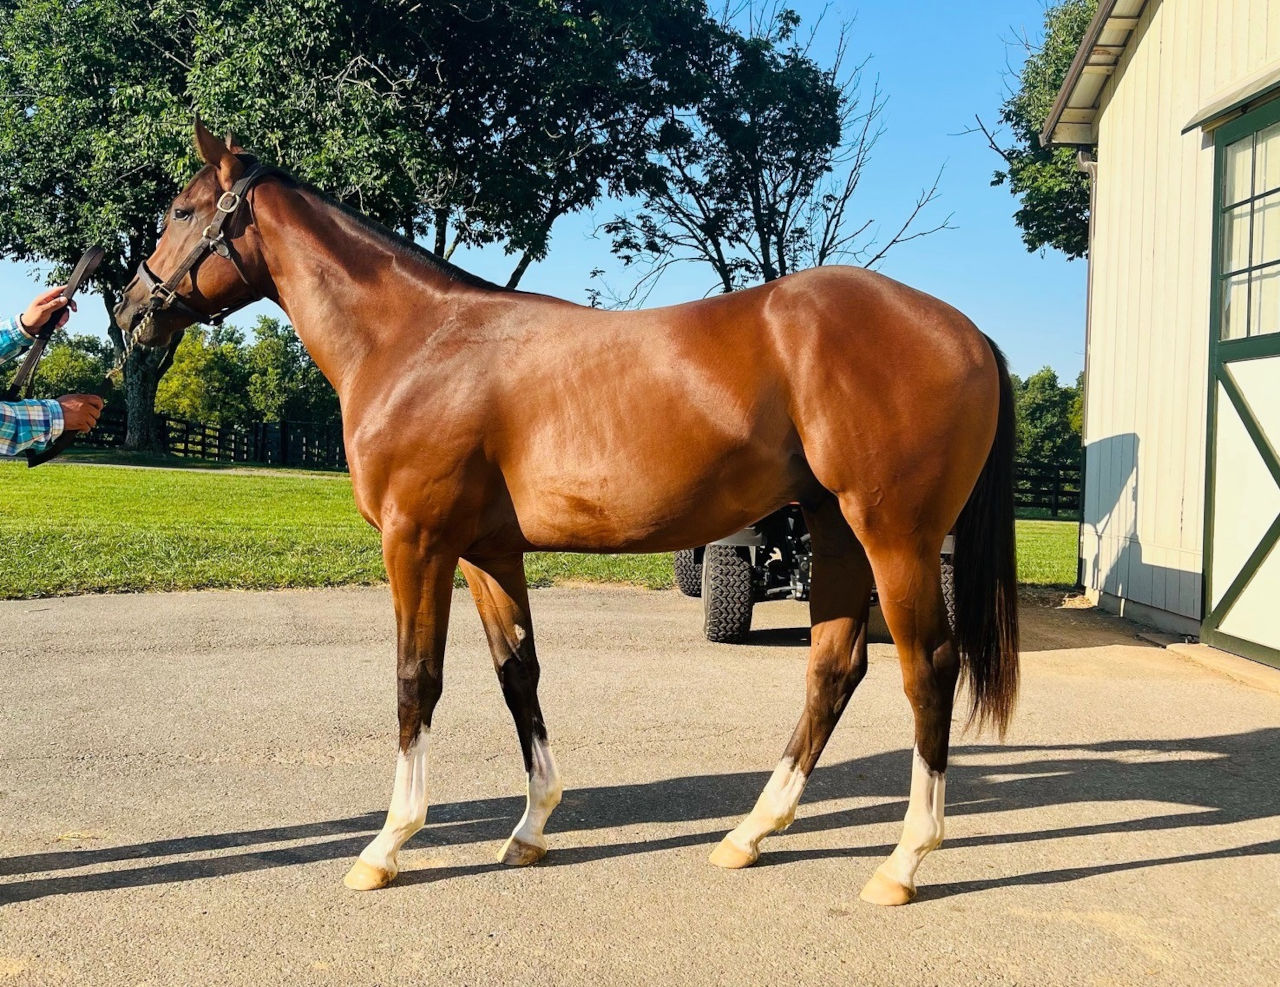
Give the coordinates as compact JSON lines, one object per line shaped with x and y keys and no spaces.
{"x":1145,"y":419}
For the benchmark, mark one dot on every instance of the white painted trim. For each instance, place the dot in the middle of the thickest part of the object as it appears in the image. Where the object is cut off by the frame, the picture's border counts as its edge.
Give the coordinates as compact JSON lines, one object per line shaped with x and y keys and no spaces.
{"x":1227,"y":105}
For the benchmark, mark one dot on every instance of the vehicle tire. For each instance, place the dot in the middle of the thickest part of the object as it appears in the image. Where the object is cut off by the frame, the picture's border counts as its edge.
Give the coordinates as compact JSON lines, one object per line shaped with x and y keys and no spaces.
{"x":727,"y":593}
{"x":688,"y":566}
{"x":949,"y":591}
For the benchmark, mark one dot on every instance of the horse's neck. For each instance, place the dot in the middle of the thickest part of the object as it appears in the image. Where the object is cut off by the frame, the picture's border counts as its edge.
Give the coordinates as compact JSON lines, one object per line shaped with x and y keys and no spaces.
{"x":336,"y":282}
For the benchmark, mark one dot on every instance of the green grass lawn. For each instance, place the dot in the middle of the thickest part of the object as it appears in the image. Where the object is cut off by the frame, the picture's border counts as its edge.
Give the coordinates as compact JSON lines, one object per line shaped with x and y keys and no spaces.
{"x":83,"y":529}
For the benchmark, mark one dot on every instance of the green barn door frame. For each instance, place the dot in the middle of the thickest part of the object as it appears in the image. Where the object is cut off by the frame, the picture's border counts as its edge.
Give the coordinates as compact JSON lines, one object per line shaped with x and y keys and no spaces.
{"x":1223,"y":353}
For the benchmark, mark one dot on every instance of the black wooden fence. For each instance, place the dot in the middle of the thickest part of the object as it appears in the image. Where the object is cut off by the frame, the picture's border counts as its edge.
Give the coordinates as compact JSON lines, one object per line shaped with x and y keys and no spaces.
{"x":1046,"y":491}
{"x":1039,"y":491}
{"x":305,"y":445}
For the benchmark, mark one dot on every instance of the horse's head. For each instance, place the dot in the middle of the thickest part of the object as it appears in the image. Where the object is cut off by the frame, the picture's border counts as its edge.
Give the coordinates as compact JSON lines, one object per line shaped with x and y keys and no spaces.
{"x":202,"y":268}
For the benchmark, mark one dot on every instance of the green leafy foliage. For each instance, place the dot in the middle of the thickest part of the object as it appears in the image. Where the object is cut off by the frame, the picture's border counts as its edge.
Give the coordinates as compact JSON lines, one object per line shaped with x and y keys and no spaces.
{"x":1047,"y":433}
{"x":284,"y":382}
{"x":79,"y":365}
{"x":219,"y":379}
{"x":73,"y":364}
{"x":469,"y":122}
{"x":1054,"y":194}
{"x":1076,"y":414}
{"x":208,"y":380}
{"x":94,"y":130}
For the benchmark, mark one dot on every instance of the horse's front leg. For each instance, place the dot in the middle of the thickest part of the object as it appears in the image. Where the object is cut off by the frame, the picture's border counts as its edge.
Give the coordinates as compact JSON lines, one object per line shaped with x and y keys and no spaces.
{"x":421,"y":587}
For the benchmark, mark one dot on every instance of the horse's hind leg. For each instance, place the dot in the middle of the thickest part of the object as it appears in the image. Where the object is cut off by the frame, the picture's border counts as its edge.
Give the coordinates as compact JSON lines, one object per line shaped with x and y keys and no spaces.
{"x":421,"y":588}
{"x":909,"y":580}
{"x":502,"y":598}
{"x":839,"y":599}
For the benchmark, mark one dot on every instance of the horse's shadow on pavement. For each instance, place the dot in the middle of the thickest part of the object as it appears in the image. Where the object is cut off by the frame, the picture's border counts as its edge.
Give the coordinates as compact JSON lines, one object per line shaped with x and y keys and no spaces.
{"x":1206,"y":781}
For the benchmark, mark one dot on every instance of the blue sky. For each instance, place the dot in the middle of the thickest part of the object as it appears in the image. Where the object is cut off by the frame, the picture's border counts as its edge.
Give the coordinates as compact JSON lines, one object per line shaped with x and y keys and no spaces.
{"x":939,"y":62}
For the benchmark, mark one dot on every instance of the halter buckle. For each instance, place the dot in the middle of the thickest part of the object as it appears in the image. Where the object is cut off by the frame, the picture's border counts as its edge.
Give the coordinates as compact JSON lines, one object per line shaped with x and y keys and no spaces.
{"x":223,"y":205}
{"x":163,"y":294}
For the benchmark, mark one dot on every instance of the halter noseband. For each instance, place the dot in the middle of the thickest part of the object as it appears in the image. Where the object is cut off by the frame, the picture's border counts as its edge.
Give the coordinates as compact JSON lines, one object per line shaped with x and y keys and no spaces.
{"x":164,"y":294}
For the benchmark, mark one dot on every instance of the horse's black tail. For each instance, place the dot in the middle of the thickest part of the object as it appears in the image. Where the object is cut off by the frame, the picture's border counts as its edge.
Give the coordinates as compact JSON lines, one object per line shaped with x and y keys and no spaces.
{"x":986,"y":575}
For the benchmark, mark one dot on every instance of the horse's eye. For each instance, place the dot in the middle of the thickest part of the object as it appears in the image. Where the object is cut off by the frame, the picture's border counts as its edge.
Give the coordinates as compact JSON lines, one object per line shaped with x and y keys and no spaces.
{"x":181,"y":213}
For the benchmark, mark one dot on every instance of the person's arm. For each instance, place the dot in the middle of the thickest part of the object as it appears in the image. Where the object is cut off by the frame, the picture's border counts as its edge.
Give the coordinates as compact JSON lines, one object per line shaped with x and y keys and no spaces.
{"x":13,"y":338}
{"x":18,"y":331}
{"x":36,"y":424}
{"x":29,"y":425}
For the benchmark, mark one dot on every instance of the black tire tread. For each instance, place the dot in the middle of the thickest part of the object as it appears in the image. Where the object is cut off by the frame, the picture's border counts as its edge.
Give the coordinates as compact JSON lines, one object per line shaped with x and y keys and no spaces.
{"x":727,"y":594}
{"x":688,"y":572}
{"x":949,"y":591}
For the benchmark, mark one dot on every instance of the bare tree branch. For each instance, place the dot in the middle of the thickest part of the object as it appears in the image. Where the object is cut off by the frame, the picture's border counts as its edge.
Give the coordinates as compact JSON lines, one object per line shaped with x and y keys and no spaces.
{"x":926,"y":196}
{"x":981,"y":128}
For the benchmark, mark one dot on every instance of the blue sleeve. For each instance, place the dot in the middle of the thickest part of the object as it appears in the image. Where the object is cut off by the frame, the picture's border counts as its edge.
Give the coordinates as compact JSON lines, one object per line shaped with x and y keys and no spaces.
{"x":13,"y":338}
{"x":28,"y":425}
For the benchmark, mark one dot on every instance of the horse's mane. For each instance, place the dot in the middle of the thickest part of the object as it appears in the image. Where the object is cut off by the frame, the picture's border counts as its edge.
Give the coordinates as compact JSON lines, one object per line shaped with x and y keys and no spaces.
{"x":388,"y":237}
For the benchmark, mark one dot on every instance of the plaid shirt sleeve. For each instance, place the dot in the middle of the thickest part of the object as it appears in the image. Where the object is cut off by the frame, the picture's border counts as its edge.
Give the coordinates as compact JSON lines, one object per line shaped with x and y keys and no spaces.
{"x":13,"y":338}
{"x":24,"y":424}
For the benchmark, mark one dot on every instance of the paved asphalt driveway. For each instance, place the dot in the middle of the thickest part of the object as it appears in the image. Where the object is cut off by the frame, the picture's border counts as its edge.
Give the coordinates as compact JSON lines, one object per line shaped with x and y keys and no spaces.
{"x":185,"y":778}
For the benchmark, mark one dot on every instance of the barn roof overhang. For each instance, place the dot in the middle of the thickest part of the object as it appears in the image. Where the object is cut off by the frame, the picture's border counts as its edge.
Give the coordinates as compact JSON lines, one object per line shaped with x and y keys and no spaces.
{"x":1072,"y":120}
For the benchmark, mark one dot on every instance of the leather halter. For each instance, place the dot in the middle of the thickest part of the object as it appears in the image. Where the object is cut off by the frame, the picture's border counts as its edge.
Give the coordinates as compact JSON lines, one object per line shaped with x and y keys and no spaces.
{"x":164,"y":294}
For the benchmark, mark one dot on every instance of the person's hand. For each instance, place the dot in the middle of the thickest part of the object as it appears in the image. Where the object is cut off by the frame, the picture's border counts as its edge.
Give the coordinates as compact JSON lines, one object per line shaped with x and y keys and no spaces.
{"x":80,"y":411}
{"x":44,"y":305}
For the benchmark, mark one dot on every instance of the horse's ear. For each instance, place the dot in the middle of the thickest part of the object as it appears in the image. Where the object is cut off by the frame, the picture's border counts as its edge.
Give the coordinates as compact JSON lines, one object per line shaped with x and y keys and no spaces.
{"x":209,"y":147}
{"x":220,"y":156}
{"x":232,"y":146}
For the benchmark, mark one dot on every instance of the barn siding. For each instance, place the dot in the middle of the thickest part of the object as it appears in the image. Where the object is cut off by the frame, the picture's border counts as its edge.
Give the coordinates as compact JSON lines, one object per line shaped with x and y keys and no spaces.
{"x":1143,"y":521}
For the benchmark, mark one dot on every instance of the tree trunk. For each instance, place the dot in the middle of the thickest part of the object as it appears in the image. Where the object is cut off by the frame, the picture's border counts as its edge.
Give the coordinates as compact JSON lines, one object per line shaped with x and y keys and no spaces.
{"x":442,"y":230}
{"x":554,"y":212}
{"x":142,"y":372}
{"x":518,"y":273}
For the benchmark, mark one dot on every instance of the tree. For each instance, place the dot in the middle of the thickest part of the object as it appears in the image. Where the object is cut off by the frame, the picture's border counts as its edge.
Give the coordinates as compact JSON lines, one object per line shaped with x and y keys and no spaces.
{"x":209,"y":380}
{"x":284,"y":382}
{"x":219,"y":379}
{"x":78,"y":365}
{"x":73,"y":365}
{"x":1046,"y":436}
{"x":1076,"y":413}
{"x":90,"y":137}
{"x":1054,"y":193}
{"x":472,"y":122}
{"x":756,"y":176}
{"x":572,"y":118}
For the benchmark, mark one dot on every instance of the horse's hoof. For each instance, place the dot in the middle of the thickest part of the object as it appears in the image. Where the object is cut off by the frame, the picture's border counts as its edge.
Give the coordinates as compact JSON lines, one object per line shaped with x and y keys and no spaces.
{"x":881,"y":890}
{"x":518,"y":853}
{"x":730,"y":856}
{"x":366,"y":877}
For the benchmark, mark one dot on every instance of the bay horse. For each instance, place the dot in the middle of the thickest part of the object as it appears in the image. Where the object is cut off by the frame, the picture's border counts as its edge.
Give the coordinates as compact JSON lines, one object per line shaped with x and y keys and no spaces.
{"x":482,"y":423}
